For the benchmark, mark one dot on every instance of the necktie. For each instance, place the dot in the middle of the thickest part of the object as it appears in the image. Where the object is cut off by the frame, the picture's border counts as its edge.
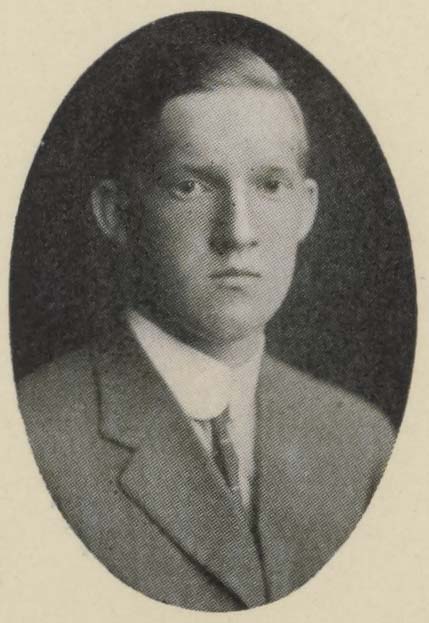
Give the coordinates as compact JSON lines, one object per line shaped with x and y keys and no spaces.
{"x":225,"y":456}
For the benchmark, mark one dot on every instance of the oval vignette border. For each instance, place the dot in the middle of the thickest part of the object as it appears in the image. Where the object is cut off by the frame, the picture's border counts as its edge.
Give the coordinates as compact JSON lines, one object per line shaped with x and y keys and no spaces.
{"x":279,"y":27}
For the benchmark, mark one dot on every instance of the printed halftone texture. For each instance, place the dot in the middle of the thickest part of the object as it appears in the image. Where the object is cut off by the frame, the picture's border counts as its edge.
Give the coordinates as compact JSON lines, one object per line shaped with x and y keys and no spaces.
{"x":349,"y":317}
{"x":121,"y":460}
{"x":133,"y":480}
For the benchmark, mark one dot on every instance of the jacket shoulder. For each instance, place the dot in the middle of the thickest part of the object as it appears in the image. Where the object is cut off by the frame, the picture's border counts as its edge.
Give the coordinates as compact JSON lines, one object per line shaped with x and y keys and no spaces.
{"x":59,"y":406}
{"x":56,"y":387}
{"x":333,"y":416}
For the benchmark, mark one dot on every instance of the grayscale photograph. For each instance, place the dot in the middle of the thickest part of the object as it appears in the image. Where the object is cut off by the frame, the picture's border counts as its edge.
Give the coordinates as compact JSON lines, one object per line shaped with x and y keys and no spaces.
{"x":213,"y":312}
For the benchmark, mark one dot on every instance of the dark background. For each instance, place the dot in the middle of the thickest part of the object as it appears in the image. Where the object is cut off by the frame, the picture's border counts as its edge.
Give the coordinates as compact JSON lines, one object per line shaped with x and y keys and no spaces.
{"x":350,"y":316}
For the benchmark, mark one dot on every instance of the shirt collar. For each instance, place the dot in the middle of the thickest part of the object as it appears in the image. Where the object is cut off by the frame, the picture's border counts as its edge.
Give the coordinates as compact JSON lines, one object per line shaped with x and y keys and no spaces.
{"x":203,"y":386}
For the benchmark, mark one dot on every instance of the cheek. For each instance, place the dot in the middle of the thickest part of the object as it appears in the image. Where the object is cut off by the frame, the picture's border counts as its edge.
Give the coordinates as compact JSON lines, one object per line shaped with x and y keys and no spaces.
{"x":280,"y":232}
{"x":178,"y":238}
{"x":281,"y":239}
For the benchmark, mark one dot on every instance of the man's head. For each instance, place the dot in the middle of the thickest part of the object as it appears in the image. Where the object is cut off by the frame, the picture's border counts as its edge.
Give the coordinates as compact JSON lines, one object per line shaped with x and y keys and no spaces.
{"x":213,"y":199}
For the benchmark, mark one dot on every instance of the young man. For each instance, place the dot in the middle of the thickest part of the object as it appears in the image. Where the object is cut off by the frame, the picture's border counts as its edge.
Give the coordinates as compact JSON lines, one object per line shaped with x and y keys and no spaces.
{"x":199,"y":470}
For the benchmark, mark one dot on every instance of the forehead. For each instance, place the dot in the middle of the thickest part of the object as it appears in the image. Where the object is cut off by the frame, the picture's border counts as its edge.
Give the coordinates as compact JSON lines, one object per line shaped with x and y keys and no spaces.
{"x":246,"y":123}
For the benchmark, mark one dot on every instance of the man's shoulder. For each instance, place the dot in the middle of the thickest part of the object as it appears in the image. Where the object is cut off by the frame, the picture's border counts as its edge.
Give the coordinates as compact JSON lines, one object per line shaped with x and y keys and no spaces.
{"x":327,"y":411}
{"x":54,"y":386}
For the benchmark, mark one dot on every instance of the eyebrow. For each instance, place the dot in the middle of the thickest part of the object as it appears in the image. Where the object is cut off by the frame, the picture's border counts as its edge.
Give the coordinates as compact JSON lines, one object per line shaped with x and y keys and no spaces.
{"x":211,"y":171}
{"x":276,"y":170}
{"x":207,"y":172}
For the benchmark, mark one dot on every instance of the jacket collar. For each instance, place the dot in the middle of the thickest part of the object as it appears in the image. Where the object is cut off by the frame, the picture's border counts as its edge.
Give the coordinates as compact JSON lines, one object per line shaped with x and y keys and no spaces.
{"x":172,"y":479}
{"x":169,"y":475}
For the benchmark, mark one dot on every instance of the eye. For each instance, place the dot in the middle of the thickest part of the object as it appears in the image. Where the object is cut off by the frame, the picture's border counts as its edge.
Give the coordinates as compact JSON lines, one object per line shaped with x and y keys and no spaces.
{"x":187,"y":188}
{"x":271,"y":185}
{"x":274,"y":186}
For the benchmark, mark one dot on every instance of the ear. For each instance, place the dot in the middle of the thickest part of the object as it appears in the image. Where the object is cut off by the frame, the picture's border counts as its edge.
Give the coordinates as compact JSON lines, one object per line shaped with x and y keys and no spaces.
{"x":309,"y":208}
{"x":108,"y":205}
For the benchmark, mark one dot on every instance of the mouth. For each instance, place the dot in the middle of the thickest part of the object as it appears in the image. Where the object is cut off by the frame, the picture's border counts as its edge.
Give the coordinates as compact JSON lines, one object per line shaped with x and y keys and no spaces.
{"x":235,"y":273}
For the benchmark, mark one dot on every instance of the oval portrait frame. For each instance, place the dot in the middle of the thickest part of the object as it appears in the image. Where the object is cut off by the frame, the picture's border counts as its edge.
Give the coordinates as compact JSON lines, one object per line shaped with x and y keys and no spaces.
{"x":342,"y":319}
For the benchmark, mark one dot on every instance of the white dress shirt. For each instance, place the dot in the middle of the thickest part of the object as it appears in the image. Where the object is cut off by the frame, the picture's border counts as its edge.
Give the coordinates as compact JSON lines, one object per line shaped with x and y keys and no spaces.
{"x":204,"y":387}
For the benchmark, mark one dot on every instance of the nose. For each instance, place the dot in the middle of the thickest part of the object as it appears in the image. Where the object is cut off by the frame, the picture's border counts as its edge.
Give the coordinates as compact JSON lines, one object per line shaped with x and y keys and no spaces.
{"x":233,"y":228}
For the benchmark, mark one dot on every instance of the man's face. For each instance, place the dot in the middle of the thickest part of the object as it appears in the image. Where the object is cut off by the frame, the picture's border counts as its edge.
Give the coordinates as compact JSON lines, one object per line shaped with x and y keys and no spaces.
{"x":223,"y":212}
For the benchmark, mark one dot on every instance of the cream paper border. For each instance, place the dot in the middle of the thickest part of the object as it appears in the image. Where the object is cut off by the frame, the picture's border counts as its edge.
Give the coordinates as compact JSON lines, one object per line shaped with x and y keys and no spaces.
{"x":378,"y":51}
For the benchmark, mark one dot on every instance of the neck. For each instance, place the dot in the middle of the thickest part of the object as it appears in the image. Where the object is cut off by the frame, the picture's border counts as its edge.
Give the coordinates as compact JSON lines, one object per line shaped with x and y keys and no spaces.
{"x":233,"y":353}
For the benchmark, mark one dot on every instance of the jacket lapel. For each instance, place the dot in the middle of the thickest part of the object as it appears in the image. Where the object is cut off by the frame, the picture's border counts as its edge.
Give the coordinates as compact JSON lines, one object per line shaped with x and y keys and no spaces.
{"x":169,"y":475}
{"x":288,"y":525}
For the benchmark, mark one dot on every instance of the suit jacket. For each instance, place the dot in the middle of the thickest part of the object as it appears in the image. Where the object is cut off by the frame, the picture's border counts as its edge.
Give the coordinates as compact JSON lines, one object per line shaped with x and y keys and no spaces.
{"x":130,"y":476}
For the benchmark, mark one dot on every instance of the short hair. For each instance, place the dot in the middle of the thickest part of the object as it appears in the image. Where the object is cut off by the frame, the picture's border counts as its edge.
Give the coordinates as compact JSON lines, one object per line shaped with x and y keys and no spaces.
{"x":167,"y":74}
